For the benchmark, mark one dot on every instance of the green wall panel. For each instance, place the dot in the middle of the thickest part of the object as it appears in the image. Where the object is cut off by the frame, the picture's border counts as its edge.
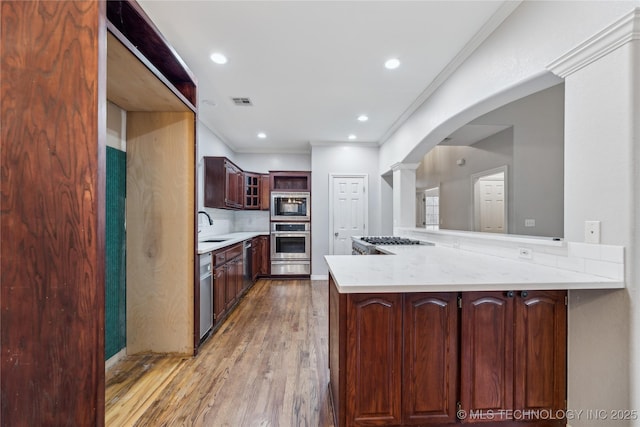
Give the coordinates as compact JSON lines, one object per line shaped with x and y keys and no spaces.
{"x":115,"y":247}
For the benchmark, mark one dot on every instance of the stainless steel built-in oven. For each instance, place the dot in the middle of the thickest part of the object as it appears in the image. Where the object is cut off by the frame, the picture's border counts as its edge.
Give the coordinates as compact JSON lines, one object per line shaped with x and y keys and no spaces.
{"x":290,"y":248}
{"x":290,"y":206}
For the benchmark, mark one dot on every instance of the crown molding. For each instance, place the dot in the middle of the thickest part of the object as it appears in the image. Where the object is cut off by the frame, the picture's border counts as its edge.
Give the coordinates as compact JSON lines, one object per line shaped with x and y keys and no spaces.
{"x":624,"y":30}
{"x":367,"y":144}
{"x":485,"y":31}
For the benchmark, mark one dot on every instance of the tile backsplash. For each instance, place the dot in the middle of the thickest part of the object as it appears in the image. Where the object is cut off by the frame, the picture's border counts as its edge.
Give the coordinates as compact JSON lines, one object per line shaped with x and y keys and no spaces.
{"x":229,"y":221}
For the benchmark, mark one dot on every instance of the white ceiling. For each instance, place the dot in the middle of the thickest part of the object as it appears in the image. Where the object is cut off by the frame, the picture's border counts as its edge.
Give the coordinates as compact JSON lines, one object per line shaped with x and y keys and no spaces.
{"x":311,"y":67}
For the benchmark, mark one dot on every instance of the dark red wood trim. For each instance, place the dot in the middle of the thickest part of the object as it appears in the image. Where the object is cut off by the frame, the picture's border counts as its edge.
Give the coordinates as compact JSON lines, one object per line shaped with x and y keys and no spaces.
{"x":131,"y":20}
{"x":147,"y":63}
{"x":52,"y":213}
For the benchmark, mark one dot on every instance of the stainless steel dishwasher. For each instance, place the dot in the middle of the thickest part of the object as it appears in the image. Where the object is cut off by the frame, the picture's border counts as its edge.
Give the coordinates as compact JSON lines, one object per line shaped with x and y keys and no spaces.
{"x":206,"y":294}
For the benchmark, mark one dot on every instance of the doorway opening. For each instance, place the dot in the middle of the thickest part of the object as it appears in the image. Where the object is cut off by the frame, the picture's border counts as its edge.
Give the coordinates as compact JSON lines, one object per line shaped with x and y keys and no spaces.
{"x":490,"y":201}
{"x":348,"y":210}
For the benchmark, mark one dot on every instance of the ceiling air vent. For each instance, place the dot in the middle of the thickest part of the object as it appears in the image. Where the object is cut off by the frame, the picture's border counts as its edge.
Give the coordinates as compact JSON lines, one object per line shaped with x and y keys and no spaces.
{"x":242,"y":102}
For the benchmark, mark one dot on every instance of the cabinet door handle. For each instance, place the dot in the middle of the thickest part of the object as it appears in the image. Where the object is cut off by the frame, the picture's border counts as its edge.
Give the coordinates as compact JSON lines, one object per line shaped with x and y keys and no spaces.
{"x":510,"y":294}
{"x":524,"y":294}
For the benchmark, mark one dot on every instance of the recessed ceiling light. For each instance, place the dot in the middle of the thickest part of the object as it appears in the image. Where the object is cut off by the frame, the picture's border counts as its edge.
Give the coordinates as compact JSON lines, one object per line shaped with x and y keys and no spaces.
{"x":392,"y":63}
{"x":262,"y":135}
{"x":352,"y":137}
{"x":218,"y":58}
{"x":363,"y":118}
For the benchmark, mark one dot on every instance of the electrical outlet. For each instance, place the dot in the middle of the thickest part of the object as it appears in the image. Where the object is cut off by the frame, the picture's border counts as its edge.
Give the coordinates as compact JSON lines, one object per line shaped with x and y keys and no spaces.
{"x":529,"y":222}
{"x":592,"y":231}
{"x":525,"y":253}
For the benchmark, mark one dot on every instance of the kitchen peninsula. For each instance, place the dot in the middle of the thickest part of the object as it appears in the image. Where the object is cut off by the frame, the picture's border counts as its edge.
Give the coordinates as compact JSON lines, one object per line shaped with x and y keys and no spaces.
{"x":437,"y":335}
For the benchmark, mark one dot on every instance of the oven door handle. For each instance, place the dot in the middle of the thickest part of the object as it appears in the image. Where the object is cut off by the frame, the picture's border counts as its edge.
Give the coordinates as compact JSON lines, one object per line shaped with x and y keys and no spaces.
{"x":288,"y":234}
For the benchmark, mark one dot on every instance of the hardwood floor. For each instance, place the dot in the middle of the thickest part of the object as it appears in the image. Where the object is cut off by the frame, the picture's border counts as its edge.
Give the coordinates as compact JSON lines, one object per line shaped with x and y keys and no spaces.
{"x":265,"y":366}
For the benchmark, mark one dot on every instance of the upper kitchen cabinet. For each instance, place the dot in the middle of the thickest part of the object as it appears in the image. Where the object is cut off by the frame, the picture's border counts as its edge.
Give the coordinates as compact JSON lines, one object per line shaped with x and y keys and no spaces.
{"x":290,"y":181}
{"x":264,"y":192}
{"x":61,"y":62}
{"x":251,"y":190}
{"x":223,"y":184}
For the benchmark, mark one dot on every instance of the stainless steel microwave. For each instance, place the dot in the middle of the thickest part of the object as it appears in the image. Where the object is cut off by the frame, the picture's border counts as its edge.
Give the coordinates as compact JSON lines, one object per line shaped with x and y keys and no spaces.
{"x":290,"y":206}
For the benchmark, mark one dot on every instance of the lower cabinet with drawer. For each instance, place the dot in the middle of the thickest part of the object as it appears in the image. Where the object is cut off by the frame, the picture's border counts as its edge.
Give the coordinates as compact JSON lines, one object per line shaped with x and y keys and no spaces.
{"x":227,"y":281}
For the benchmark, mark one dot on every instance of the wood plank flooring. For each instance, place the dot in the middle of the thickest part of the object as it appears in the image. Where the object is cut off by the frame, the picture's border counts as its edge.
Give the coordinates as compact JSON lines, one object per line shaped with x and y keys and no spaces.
{"x":265,"y":366}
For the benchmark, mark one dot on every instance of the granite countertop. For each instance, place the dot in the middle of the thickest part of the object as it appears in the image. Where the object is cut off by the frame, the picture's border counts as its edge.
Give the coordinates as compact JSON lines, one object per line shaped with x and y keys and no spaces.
{"x":445,"y":269}
{"x":229,"y":239}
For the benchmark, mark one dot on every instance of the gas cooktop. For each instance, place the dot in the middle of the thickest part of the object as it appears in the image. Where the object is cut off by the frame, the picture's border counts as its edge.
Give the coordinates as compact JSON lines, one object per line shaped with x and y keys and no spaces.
{"x":389,"y":240}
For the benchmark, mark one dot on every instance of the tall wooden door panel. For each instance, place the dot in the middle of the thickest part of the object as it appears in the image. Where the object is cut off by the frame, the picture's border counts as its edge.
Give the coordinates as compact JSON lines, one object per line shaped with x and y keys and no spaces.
{"x":230,"y":295}
{"x":540,"y":350}
{"x":430,"y":358}
{"x":487,"y":355}
{"x":219,"y":292}
{"x":374,"y":359}
{"x":264,"y":192}
{"x":53,"y":212}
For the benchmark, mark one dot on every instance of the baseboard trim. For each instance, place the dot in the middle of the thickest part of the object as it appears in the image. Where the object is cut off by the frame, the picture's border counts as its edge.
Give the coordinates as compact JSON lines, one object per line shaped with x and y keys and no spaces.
{"x":113,"y":360}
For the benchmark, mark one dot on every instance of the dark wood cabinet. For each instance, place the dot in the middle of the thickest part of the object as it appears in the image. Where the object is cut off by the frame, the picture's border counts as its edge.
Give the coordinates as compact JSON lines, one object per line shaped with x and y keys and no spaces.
{"x":260,"y":257}
{"x":219,"y":293}
{"x":374,"y":367}
{"x":430,"y":369}
{"x":540,"y":350}
{"x":265,"y":258}
{"x":403,"y":359}
{"x":265,"y":200}
{"x":251,"y":190}
{"x":393,"y":358}
{"x":226,"y":186}
{"x":513,"y":353}
{"x":256,"y":257}
{"x":223,"y":184}
{"x":487,"y":354}
{"x":238,"y":270}
{"x":290,"y":181}
{"x":227,"y":281}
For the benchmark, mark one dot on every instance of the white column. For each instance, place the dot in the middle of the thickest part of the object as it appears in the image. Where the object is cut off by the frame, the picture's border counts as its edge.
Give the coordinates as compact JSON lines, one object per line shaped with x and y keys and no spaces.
{"x":602,"y":129}
{"x":404,"y":194}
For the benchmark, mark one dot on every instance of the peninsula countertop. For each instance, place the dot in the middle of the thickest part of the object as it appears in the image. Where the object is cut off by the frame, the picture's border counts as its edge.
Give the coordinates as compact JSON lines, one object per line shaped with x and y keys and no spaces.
{"x":444,"y":269}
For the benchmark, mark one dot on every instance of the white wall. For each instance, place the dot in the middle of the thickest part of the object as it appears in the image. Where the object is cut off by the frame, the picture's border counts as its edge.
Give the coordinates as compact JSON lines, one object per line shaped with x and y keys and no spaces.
{"x":328,"y":159}
{"x":263,"y":163}
{"x":601,"y":179}
{"x":602,"y":183}
{"x":510,"y":64}
{"x":116,"y":127}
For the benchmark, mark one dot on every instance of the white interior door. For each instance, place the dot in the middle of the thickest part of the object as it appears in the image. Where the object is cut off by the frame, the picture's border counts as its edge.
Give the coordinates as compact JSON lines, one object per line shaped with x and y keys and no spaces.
{"x":492,"y":204}
{"x":349,"y":215}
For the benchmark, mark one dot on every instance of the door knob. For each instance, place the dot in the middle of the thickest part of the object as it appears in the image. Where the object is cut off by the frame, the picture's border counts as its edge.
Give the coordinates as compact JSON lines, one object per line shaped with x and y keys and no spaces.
{"x":335,"y":234}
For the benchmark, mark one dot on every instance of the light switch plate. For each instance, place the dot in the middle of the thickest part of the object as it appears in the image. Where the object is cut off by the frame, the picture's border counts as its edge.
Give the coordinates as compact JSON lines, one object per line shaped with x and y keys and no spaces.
{"x":592,"y":231}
